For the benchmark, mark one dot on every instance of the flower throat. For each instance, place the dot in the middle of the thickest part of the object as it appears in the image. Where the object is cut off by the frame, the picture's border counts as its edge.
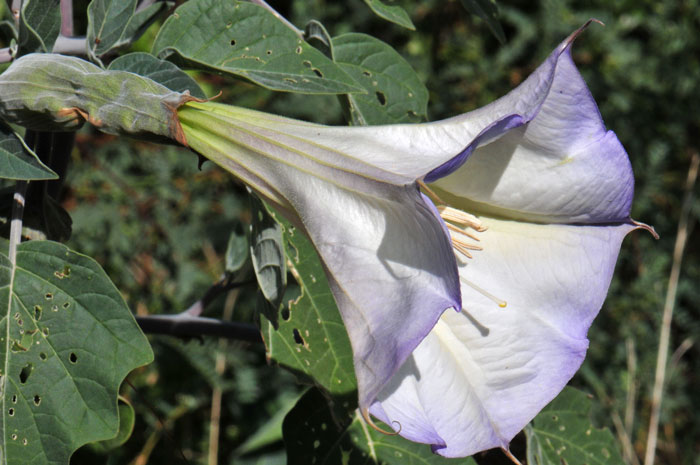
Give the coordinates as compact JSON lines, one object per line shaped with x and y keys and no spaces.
{"x":463,"y":228}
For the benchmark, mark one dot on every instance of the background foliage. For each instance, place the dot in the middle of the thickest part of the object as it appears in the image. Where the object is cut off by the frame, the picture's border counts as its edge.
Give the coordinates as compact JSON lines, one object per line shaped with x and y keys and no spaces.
{"x":160,"y":227}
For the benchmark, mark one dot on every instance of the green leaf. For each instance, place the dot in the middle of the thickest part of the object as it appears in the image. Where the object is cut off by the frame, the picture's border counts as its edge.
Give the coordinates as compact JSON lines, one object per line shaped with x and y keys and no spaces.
{"x":161,"y":71}
{"x":237,"y":250}
{"x":488,"y":11}
{"x":329,"y":431}
{"x":127,"y":419}
{"x":269,"y":433}
{"x":39,"y":25}
{"x":317,"y":35}
{"x":115,"y":23}
{"x":311,"y":337}
{"x":563,"y":433}
{"x":394,"y":93}
{"x":68,"y":343}
{"x":395,"y":14}
{"x":247,"y":41}
{"x":17,"y":161}
{"x":267,"y":254}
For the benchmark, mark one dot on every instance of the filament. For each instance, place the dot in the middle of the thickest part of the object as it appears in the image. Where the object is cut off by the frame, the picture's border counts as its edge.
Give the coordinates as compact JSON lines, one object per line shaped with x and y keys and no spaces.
{"x":501,"y":303}
{"x":431,"y":194}
{"x":464,"y":232}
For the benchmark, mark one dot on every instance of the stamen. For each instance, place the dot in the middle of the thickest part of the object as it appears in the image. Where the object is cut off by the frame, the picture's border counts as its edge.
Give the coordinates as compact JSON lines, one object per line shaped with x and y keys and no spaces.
{"x":501,"y":303}
{"x":454,"y":228}
{"x":459,"y":217}
{"x":430,"y":193}
{"x":462,"y":250}
{"x":465,"y":244}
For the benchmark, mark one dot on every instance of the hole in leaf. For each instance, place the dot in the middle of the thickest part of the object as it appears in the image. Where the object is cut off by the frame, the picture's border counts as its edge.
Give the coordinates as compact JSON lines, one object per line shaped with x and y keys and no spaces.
{"x":17,"y":347}
{"x":54,"y":308}
{"x":63,"y":274}
{"x":285,"y":314}
{"x":269,"y":52}
{"x":19,"y":321}
{"x":229,"y":24}
{"x":42,"y":355}
{"x":366,"y":73}
{"x":37,"y":312}
{"x":66,"y":305}
{"x":293,"y":81}
{"x":49,"y":296}
{"x":297,"y":337}
{"x":14,"y":399}
{"x":381,"y":98}
{"x":233,"y":42}
{"x":25,"y":442}
{"x":299,"y":50}
{"x":37,"y":400}
{"x":317,"y":72}
{"x":11,"y":412}
{"x":45,"y":331}
{"x":14,"y":437}
{"x":73,"y":358}
{"x":25,"y":373}
{"x":307,"y":63}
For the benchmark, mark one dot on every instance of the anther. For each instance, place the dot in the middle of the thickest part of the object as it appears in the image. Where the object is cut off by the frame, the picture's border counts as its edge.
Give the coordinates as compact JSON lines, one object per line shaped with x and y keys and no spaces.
{"x":488,"y":295}
{"x":459,"y":217}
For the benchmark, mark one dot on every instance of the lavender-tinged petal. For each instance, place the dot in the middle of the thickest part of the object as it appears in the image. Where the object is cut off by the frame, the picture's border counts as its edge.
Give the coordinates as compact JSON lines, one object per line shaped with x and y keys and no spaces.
{"x":491,"y":132}
{"x":387,"y":256}
{"x":482,"y":374}
{"x":563,"y":166}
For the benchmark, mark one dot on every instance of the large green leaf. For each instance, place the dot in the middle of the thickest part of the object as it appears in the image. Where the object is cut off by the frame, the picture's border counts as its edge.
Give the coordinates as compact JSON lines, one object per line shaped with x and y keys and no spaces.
{"x":488,"y":11}
{"x":68,"y":340}
{"x":392,"y":13}
{"x":114,"y":23}
{"x":248,"y":41}
{"x":17,"y":161}
{"x":394,"y":93}
{"x":329,"y":431}
{"x":39,"y":25}
{"x":563,"y":433}
{"x":310,"y":336}
{"x":161,"y":71}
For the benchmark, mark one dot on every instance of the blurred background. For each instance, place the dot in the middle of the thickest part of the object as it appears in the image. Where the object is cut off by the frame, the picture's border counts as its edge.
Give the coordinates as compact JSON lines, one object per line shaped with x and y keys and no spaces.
{"x":160,"y":226}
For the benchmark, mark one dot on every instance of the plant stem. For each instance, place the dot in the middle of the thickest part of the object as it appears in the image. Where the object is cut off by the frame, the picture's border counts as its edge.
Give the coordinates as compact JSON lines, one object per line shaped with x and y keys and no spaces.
{"x":631,"y":396}
{"x":662,"y":354}
{"x":188,"y":326}
{"x":217,"y":393}
{"x":220,"y":287}
{"x":67,"y":18}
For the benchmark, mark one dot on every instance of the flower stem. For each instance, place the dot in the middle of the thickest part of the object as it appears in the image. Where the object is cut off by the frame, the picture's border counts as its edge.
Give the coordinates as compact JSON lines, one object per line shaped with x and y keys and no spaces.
{"x":662,"y":354}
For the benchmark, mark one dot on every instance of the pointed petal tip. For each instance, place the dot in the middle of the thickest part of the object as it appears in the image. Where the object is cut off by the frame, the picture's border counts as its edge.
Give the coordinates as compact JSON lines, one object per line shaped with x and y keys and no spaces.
{"x":364,"y":411}
{"x":646,"y":227}
{"x":508,"y":454}
{"x":570,"y":40}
